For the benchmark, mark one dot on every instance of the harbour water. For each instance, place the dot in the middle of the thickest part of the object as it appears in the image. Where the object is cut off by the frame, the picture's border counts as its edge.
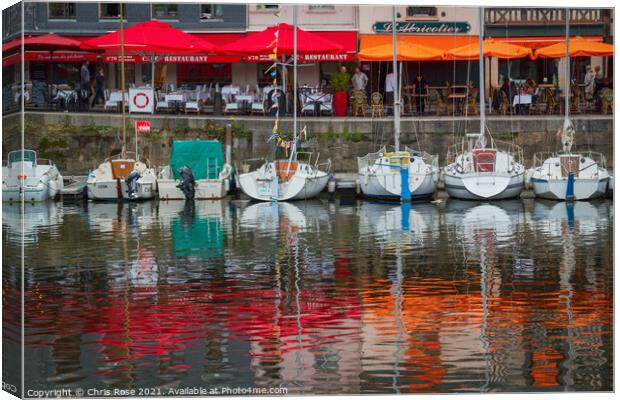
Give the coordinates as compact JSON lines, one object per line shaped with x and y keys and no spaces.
{"x":320,"y":296}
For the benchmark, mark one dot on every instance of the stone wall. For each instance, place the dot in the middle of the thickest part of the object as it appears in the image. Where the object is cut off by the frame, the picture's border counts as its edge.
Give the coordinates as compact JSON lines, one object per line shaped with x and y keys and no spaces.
{"x":78,"y":142}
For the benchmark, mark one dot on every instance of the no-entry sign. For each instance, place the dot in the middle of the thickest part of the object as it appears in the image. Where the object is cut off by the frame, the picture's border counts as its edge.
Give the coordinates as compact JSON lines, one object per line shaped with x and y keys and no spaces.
{"x":143,"y":126}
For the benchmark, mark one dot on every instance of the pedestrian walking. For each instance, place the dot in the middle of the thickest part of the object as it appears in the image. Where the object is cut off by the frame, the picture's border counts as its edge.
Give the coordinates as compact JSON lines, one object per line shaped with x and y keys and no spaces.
{"x":84,"y":82}
{"x":99,"y":81}
{"x":590,"y":83}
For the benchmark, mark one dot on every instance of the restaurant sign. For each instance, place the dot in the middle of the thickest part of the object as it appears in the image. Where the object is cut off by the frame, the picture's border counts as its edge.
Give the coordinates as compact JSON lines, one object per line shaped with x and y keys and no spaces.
{"x":417,"y":27}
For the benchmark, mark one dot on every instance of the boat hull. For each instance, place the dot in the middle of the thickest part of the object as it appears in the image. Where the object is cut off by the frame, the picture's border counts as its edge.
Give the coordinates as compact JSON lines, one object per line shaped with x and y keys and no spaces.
{"x":298,"y":187}
{"x":205,"y":189}
{"x":584,"y":189}
{"x":484,"y":186}
{"x":385,"y":186}
{"x":33,"y":189}
{"x":107,"y":190}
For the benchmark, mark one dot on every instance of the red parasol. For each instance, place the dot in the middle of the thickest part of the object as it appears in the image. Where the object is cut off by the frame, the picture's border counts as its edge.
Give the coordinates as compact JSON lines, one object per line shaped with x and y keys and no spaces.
{"x":278,"y":40}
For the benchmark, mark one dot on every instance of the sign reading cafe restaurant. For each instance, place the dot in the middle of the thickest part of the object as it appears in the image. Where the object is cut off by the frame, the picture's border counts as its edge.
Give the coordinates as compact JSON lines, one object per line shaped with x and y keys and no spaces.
{"x":422,"y":27}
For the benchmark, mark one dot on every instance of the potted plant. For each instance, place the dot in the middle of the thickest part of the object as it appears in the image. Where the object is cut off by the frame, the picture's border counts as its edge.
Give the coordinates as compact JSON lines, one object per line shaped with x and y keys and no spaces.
{"x":339,"y":81}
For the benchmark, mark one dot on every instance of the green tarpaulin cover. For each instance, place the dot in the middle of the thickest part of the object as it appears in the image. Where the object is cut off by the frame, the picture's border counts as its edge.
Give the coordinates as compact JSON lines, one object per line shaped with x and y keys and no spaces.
{"x":204,"y":157}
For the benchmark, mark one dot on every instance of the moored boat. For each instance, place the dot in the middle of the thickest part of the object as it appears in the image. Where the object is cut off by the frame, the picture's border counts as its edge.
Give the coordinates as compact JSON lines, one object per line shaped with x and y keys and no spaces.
{"x":29,"y":178}
{"x":209,"y":171}
{"x":122,"y":178}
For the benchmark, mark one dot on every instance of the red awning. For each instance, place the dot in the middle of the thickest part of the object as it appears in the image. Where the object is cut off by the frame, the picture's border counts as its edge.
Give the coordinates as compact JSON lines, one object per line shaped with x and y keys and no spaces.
{"x":48,"y":42}
{"x":174,"y":59}
{"x":151,"y":37}
{"x":278,"y":40}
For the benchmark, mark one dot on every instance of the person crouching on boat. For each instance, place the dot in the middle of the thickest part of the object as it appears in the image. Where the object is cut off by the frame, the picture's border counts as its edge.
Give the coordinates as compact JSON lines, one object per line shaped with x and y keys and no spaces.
{"x":132,"y":180}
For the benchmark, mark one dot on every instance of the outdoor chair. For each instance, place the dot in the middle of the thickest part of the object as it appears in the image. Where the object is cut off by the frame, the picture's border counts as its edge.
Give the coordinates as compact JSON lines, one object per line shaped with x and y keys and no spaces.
{"x":504,"y":104}
{"x":307,"y":105}
{"x":376,"y":105}
{"x":607,"y":100}
{"x":231,"y":106}
{"x":162,"y":104}
{"x":575,"y":99}
{"x":193,"y":104}
{"x":326,"y":105}
{"x":442,"y":104}
{"x":359,"y":103}
{"x":258,"y":105}
{"x":472,"y":104}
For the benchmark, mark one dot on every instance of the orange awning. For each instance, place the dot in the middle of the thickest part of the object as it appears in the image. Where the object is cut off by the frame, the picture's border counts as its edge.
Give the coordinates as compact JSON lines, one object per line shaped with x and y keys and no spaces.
{"x":492,"y":48}
{"x":411,"y":47}
{"x":405,"y":51}
{"x":577,"y":47}
{"x":536,"y":42}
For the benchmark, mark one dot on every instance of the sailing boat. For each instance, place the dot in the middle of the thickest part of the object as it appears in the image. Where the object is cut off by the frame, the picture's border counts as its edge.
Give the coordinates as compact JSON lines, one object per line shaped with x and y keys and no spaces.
{"x":286,"y":179}
{"x":484,"y":171}
{"x":121,"y":177}
{"x":398,"y":175}
{"x":567,"y":175}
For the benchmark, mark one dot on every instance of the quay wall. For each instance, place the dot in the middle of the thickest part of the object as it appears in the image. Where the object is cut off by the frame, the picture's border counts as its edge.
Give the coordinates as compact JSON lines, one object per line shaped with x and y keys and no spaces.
{"x":77,"y":142}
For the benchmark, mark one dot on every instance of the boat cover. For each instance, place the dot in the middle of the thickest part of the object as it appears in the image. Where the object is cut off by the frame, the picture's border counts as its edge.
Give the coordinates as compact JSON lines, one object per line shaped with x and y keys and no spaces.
{"x":204,"y":157}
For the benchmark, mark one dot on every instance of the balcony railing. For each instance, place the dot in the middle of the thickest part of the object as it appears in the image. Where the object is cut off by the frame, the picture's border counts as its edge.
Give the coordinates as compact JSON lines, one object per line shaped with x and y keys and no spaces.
{"x":540,"y":15}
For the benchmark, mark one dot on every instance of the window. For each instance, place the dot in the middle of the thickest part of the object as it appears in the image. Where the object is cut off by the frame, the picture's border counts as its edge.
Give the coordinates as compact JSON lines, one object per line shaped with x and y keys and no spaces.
{"x":421,"y":12}
{"x":164,"y":11}
{"x":211,"y":11}
{"x":267,"y":7}
{"x":111,"y":10}
{"x":321,"y":7}
{"x":61,"y":11}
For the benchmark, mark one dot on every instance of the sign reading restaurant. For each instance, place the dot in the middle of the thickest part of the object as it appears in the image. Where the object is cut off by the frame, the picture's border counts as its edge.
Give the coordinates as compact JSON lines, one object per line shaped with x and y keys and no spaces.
{"x":422,"y":27}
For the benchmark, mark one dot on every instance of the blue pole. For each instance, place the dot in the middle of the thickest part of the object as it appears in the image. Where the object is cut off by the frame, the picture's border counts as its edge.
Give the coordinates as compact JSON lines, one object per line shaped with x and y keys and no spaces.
{"x":405,"y":193}
{"x":570,"y":187}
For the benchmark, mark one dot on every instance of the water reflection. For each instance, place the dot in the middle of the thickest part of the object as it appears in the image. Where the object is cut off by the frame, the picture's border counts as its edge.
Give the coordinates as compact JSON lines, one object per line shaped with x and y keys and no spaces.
{"x":318,"y":297}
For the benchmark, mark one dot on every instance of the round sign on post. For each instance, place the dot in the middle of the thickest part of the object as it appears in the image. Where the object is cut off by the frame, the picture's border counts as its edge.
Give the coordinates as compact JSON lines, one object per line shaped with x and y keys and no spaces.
{"x":141,"y":100}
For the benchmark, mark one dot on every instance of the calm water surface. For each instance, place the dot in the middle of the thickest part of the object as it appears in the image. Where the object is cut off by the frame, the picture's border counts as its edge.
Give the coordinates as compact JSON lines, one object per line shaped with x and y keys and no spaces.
{"x":317,"y":297}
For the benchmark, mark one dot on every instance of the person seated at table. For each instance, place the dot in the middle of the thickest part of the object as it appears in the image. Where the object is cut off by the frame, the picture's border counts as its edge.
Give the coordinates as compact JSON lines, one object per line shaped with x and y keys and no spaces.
{"x":420,"y":90}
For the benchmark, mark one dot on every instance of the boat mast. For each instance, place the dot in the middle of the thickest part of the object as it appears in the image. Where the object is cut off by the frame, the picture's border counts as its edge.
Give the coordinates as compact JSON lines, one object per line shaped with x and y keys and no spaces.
{"x":294,"y":80}
{"x":481,"y":75}
{"x":122,"y":36}
{"x":567,"y":70}
{"x":396,"y":88}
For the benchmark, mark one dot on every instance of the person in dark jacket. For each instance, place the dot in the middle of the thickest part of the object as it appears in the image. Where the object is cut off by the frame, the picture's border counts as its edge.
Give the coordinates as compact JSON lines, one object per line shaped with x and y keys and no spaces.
{"x":99,"y":81}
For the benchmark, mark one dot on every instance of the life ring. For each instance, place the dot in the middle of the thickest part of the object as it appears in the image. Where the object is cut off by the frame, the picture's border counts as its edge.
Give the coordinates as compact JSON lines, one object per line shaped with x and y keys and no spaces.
{"x":141,"y":95}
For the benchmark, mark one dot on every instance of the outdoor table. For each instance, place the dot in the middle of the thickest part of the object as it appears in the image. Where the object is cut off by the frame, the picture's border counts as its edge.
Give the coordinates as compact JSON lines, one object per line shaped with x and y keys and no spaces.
{"x":234,"y":90}
{"x":244,"y":102}
{"x":176,"y":99}
{"x":117,"y":97}
{"x":521,"y":99}
{"x":458,"y":98}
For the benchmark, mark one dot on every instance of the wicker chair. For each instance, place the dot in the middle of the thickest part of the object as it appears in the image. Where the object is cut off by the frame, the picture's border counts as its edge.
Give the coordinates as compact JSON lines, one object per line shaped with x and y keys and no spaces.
{"x":359,"y":103}
{"x":504,"y":105}
{"x":472,"y":103}
{"x":442,"y":105}
{"x":607,"y":100}
{"x":376,"y":105}
{"x":575,"y":99}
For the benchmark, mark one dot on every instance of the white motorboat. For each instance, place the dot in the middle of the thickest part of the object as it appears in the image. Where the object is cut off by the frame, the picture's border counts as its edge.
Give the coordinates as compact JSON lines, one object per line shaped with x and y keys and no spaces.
{"x":28,"y":178}
{"x":484,"y":172}
{"x":110,"y":181}
{"x":206,"y":161}
{"x":283,"y":180}
{"x":381,"y":174}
